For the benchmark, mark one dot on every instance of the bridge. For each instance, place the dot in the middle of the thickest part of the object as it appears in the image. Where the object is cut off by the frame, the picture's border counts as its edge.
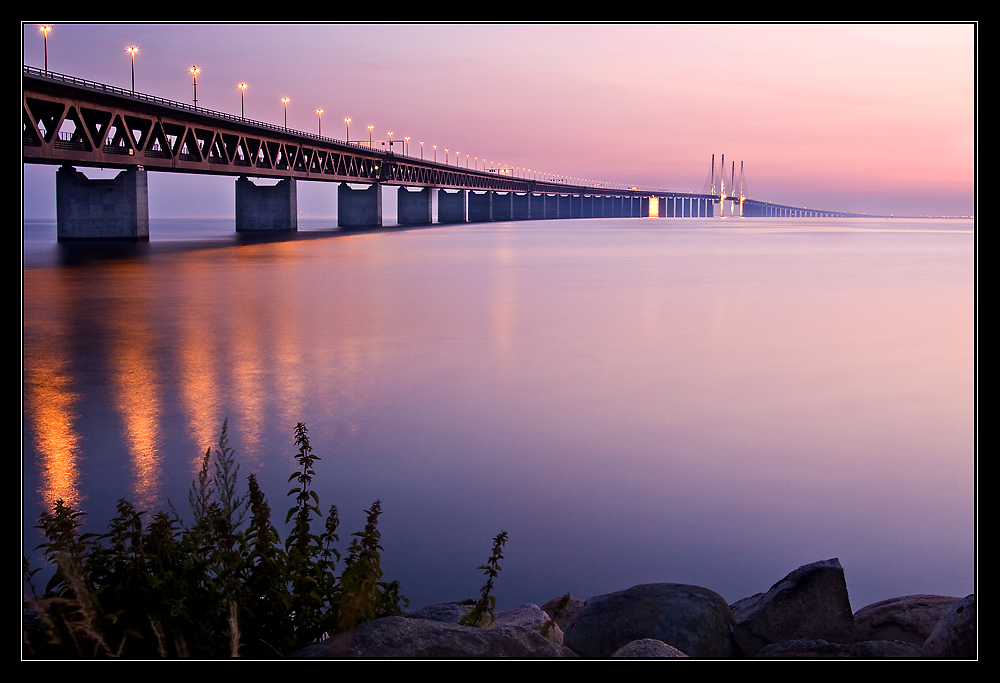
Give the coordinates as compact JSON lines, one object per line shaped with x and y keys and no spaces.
{"x":71,"y":122}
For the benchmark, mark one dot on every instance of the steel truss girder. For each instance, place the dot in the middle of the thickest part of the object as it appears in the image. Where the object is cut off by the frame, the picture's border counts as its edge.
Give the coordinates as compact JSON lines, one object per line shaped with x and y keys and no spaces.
{"x":80,"y":128}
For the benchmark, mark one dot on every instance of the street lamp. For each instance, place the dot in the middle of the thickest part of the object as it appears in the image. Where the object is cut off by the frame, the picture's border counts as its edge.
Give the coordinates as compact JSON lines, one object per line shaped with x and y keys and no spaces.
{"x":132,"y":49}
{"x":421,"y":150}
{"x":406,"y":144}
{"x":347,"y":123}
{"x":435,"y":154}
{"x":243,"y":89}
{"x":45,"y":28}
{"x":446,"y":155}
{"x":319,"y":122}
{"x":284,"y":100}
{"x":390,"y":141}
{"x":194,"y":70}
{"x":370,"y":136}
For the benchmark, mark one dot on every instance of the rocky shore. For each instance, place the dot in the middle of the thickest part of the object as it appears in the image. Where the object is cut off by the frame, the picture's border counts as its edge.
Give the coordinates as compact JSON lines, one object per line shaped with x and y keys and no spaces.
{"x":807,"y":614}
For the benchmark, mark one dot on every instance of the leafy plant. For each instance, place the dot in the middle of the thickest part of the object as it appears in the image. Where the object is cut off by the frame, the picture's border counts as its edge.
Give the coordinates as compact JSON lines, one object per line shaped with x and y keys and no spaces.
{"x":224,"y":585}
{"x":482,"y":613}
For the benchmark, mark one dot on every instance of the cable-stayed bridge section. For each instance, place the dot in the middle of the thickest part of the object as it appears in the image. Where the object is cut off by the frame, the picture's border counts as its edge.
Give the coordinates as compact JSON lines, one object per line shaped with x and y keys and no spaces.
{"x":71,"y":122}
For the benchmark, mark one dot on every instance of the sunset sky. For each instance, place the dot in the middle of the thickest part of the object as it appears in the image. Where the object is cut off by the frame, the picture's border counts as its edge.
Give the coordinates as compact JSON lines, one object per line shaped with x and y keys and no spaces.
{"x":876,"y":118}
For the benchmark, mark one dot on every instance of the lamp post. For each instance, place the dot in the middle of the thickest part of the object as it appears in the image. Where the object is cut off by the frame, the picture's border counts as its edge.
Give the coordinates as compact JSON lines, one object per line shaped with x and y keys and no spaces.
{"x":132,"y":49}
{"x":194,"y":71}
{"x":390,"y":141}
{"x":421,"y":150}
{"x":370,"y":136}
{"x":284,"y":101}
{"x":45,"y":28}
{"x":406,"y":145}
{"x":347,"y":123}
{"x":435,"y":153}
{"x":243,"y":89}
{"x":319,"y":122}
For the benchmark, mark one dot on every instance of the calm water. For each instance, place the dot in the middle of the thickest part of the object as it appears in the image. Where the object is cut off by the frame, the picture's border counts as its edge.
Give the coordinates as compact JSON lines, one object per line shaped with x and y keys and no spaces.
{"x":707,"y":401}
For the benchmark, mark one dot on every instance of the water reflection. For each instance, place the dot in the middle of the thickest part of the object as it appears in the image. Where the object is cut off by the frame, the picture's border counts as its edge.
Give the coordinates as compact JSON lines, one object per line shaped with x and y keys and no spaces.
{"x":633,"y":400}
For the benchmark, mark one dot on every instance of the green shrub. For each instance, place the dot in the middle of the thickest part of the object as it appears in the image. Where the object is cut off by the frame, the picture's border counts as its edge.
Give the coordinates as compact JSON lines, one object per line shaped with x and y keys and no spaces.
{"x":482,"y":613}
{"x":225,"y":586}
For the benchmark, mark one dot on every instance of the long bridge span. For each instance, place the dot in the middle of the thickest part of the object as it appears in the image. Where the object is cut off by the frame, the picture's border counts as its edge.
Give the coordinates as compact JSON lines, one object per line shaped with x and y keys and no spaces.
{"x":71,"y":122}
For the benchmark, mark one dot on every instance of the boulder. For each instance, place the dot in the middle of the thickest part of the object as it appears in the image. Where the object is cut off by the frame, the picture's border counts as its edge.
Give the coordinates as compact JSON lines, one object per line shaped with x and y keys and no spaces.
{"x":563,"y":610}
{"x":810,"y":603}
{"x":692,"y":619}
{"x":648,"y":648}
{"x":403,"y":637}
{"x":530,"y":616}
{"x":821,"y":649}
{"x":954,"y":636}
{"x":909,"y":619}
{"x":448,"y":612}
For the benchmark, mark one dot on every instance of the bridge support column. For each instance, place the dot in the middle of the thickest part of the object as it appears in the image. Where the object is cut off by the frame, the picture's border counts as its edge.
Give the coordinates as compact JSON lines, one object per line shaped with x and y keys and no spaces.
{"x":265,"y":208}
{"x":502,"y":205}
{"x":536,"y":205}
{"x":710,"y":208}
{"x":114,"y":208}
{"x":550,"y":205}
{"x":361,"y":208}
{"x":414,"y":207}
{"x":520,"y":205}
{"x":452,"y":206}
{"x":661,"y":205}
{"x":480,"y":206}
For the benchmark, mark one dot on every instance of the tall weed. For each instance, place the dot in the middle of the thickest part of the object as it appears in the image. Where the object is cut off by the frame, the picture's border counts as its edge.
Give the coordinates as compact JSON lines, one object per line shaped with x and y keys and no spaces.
{"x":222,"y":586}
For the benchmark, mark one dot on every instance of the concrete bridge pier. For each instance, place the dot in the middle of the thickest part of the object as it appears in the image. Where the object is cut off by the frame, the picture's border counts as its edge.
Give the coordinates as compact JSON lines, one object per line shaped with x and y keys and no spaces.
{"x":536,"y":205}
{"x":502,"y":205}
{"x":480,"y":206}
{"x":414,"y":207}
{"x":452,"y":206}
{"x":114,"y":208}
{"x":266,"y":208}
{"x":359,"y":208}
{"x":520,"y":206}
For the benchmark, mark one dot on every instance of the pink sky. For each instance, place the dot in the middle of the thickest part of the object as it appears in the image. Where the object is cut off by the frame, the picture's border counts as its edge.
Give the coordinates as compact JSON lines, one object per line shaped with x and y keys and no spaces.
{"x":877,"y":118}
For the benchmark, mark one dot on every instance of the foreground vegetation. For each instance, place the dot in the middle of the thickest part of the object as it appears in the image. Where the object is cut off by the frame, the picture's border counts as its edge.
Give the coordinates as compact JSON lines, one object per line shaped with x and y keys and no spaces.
{"x":222,"y":586}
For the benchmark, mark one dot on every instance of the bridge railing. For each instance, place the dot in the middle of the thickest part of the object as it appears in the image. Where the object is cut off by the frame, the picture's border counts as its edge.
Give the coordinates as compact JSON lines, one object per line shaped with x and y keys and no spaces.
{"x":201,"y":111}
{"x":124,"y":92}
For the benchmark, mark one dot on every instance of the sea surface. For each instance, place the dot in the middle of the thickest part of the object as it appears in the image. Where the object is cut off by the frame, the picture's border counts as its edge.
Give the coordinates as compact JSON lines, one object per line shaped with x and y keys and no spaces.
{"x":634,"y":400}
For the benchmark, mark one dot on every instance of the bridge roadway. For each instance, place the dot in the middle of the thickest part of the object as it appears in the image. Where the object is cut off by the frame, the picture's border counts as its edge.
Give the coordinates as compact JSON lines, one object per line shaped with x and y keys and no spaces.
{"x":71,"y":122}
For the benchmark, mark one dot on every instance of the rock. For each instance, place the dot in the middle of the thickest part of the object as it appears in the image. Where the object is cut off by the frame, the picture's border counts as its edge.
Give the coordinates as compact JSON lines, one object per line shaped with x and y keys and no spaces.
{"x":648,"y":648}
{"x":821,"y":649}
{"x":909,"y":619}
{"x":403,"y":637}
{"x":448,"y":612}
{"x":692,"y":619}
{"x":533,"y":617}
{"x":810,"y":603}
{"x":563,"y":610}
{"x":954,"y":636}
